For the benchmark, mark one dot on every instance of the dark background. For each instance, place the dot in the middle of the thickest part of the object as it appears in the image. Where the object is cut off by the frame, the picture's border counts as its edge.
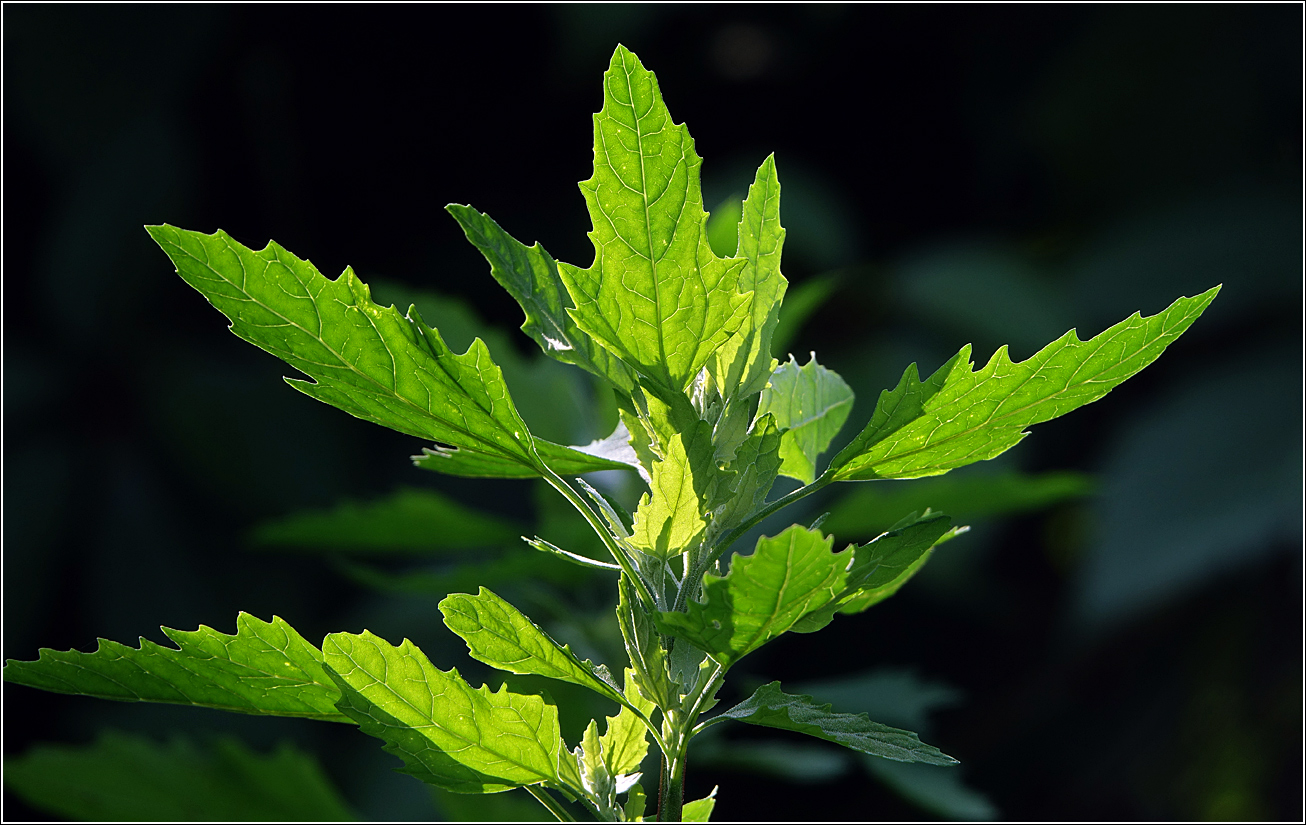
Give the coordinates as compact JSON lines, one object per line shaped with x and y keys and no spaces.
{"x":980,"y":173}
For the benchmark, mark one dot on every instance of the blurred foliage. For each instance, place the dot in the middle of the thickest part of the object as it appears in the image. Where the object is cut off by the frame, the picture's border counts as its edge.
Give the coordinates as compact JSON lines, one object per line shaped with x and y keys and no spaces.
{"x":987,"y":174}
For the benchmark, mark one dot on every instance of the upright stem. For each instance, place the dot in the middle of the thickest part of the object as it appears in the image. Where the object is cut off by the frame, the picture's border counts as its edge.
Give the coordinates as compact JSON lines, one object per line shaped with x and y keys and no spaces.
{"x":671,"y":805}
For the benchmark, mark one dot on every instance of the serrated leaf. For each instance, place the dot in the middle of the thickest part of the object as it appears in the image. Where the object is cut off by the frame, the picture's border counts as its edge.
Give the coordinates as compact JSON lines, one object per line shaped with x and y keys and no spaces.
{"x":625,"y":741}
{"x":656,"y":296}
{"x":367,"y":360}
{"x":408,"y":520}
{"x":810,"y":403}
{"x":742,"y":364}
{"x":770,"y":707}
{"x":958,"y":417}
{"x":763,"y":595}
{"x":531,"y":276}
{"x":454,"y":461}
{"x":123,"y":777}
{"x":447,"y":733}
{"x":882,"y":566}
{"x":672,"y":515}
{"x":266,"y":668}
{"x":501,"y":636}
{"x":643,"y":647}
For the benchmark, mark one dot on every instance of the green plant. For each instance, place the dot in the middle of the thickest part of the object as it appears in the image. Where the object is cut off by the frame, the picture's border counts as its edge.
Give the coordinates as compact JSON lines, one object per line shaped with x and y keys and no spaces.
{"x":707,"y":418}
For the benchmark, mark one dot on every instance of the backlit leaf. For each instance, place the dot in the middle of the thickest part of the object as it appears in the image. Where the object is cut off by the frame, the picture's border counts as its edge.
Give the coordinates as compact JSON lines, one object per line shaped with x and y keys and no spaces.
{"x":811,"y":403}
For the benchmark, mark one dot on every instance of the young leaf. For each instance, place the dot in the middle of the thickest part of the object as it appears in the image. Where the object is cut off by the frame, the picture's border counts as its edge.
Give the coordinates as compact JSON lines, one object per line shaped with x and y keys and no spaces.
{"x":656,"y":295}
{"x":647,"y":657}
{"x":958,"y":417}
{"x":122,"y":777}
{"x":531,"y":276}
{"x":772,"y":708}
{"x":810,"y":403}
{"x":367,"y":360}
{"x":501,"y":636}
{"x":743,"y":363}
{"x":881,"y":567}
{"x":266,"y":668}
{"x":671,"y":516}
{"x":700,"y":810}
{"x":408,"y":520}
{"x":756,"y":464}
{"x":786,"y":578}
{"x":447,"y":733}
{"x":625,"y":742}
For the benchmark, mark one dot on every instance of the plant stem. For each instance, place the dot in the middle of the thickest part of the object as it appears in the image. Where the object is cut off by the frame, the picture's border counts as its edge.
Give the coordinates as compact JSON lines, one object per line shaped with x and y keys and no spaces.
{"x":671,"y":799}
{"x":555,"y":807}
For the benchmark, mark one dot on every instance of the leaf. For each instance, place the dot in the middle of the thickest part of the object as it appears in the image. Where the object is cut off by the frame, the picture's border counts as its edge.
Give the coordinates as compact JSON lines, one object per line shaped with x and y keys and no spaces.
{"x":742,"y":364}
{"x":266,"y":668}
{"x":368,"y":361}
{"x":501,"y":636}
{"x":810,"y":403}
{"x":755,"y":466}
{"x":644,"y":648}
{"x":958,"y":417}
{"x":765,"y":594}
{"x":531,"y":276}
{"x":408,"y":520}
{"x":123,"y":777}
{"x":700,"y":810}
{"x":447,"y":733}
{"x":625,"y":741}
{"x":881,"y":567}
{"x":562,"y":460}
{"x":671,"y":516}
{"x":770,"y":707}
{"x":871,"y":508}
{"x":656,"y":296}
{"x":939,"y":790}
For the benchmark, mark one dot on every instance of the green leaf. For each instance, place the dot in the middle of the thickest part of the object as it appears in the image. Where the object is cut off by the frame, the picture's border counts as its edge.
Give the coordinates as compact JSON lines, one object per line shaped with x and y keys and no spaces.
{"x":672,"y":515}
{"x":700,"y":810}
{"x":881,"y":567}
{"x":367,"y":360}
{"x":656,"y":296}
{"x":408,"y":520}
{"x":125,"y":777}
{"x":870,"y":509}
{"x":447,"y":733}
{"x":266,"y":668}
{"x":765,"y":594}
{"x":644,"y":648}
{"x":958,"y":417}
{"x":625,"y":741}
{"x":501,"y":636}
{"x":455,"y":461}
{"x":810,"y":403}
{"x":531,"y":276}
{"x":742,"y":364}
{"x":770,"y":707}
{"x":753,"y":472}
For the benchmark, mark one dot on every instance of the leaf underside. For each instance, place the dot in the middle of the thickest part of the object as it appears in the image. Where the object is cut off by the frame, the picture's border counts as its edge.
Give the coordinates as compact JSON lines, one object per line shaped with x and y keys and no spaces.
{"x":772,"y":708}
{"x":811,"y":404}
{"x":957,"y":417}
{"x":266,"y":668}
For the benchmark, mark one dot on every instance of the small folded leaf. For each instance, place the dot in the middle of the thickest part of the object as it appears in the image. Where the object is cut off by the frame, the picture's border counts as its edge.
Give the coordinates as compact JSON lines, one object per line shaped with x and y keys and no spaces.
{"x":531,"y":276}
{"x":656,"y":296}
{"x":367,"y":360}
{"x":408,"y":520}
{"x":625,"y":742}
{"x":772,"y":708}
{"x":266,"y":668}
{"x":123,"y":777}
{"x":447,"y":733}
{"x":671,"y":516}
{"x":786,"y":578}
{"x":742,"y":364}
{"x":501,"y":636}
{"x":643,"y":647}
{"x":958,"y":417}
{"x":810,"y":403}
{"x":753,"y":472}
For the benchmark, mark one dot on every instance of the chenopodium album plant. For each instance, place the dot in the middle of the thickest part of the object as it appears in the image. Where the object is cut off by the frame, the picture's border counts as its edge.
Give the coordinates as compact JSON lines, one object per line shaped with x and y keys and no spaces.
{"x":707,"y":418}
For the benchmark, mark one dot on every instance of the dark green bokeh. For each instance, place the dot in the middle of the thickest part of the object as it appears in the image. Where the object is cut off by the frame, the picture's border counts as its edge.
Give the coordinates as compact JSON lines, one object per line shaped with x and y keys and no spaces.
{"x":983,"y":174}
